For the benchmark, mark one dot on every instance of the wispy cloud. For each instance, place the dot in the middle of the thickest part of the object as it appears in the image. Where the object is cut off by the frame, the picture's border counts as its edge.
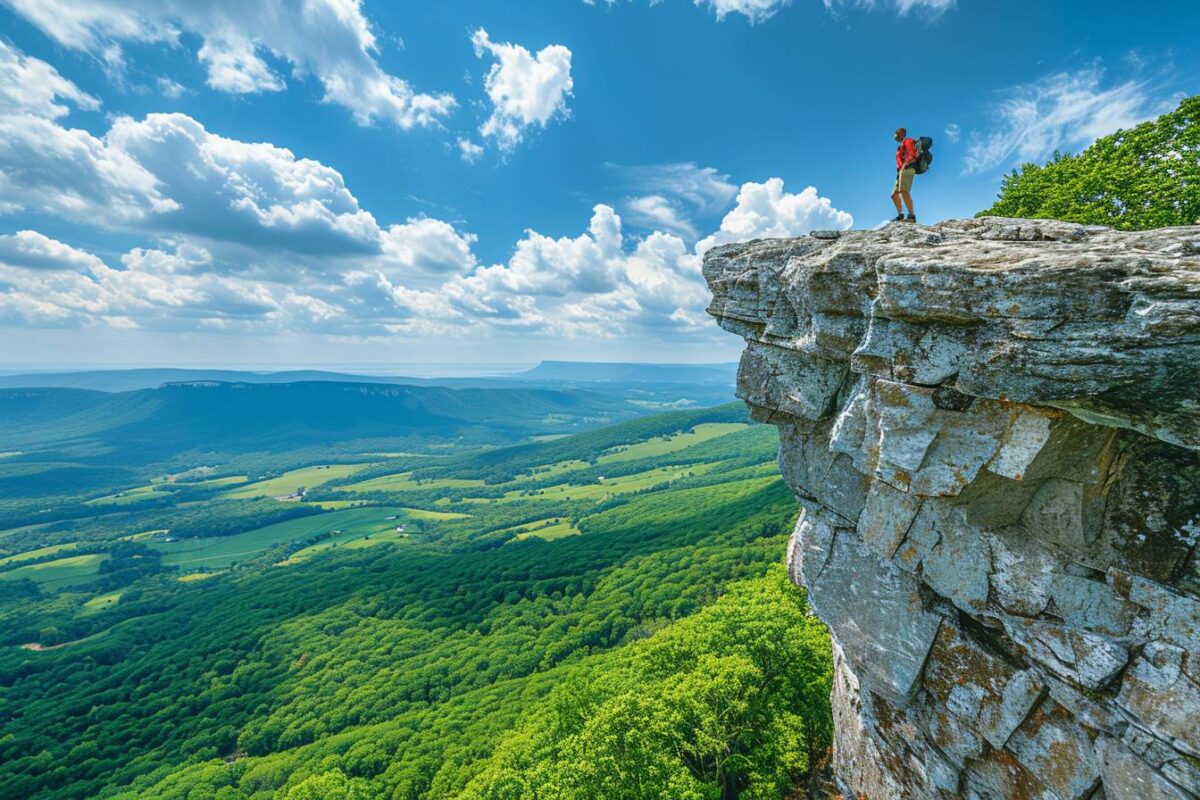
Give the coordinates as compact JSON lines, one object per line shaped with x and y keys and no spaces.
{"x":671,"y":196}
{"x":1065,"y":110}
{"x":762,"y":10}
{"x":933,"y":8}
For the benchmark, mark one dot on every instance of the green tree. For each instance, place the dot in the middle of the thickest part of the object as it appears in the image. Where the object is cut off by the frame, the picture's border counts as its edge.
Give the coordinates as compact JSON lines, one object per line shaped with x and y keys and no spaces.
{"x":729,"y":704}
{"x":330,"y":785}
{"x":1137,"y":179}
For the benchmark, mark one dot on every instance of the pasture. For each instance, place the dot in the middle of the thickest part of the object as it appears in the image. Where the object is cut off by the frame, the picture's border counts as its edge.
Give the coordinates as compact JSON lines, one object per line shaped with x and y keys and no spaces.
{"x":223,"y":551}
{"x":61,"y":572}
{"x":292,"y":481}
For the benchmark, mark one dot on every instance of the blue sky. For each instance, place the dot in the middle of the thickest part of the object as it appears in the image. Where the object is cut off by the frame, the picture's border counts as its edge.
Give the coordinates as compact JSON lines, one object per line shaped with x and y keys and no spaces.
{"x":275,"y":182}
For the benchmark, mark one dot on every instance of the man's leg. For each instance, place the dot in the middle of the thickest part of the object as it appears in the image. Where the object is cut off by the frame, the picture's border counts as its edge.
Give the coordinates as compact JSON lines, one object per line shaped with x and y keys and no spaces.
{"x":907,"y":201}
{"x":896,"y":201}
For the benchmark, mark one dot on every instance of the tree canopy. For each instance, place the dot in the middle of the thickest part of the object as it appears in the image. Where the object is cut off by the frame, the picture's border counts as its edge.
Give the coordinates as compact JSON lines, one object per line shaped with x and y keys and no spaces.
{"x":1137,"y":179}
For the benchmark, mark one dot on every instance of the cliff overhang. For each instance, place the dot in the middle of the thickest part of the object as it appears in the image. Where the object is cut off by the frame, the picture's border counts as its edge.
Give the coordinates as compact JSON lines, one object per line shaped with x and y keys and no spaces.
{"x":993,"y":426}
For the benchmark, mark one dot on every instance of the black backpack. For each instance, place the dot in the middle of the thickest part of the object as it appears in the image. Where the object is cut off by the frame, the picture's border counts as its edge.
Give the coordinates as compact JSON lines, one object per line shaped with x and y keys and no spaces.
{"x":924,"y":156}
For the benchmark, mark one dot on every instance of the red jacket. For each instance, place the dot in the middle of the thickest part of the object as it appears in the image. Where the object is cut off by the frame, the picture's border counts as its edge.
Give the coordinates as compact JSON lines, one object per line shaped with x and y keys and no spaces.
{"x":906,"y":153}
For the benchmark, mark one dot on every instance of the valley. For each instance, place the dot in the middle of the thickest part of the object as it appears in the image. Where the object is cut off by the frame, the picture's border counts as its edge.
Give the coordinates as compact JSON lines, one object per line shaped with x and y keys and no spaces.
{"x":392,"y":618}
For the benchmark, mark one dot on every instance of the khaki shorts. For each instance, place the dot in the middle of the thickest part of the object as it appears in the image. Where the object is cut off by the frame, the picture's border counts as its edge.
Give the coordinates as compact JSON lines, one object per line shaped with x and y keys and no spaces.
{"x":904,"y":179}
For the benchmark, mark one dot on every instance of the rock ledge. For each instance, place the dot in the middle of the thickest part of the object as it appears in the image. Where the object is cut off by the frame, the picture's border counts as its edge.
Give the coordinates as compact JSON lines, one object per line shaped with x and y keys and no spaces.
{"x":993,"y":426}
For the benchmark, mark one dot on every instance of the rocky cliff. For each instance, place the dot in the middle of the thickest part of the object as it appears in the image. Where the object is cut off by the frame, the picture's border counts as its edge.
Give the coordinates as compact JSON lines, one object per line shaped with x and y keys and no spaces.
{"x":993,"y":427}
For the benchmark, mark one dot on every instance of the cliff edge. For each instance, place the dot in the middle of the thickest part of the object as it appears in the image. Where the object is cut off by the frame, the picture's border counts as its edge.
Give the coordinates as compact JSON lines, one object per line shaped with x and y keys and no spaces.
{"x":993,"y":426}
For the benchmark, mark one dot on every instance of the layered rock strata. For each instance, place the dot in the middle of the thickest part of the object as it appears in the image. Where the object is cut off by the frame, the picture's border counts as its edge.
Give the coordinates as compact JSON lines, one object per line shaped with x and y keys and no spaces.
{"x":993,"y":427}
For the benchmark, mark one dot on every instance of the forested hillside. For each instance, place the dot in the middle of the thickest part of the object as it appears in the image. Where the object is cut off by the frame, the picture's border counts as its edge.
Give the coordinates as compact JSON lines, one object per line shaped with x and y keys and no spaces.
{"x":602,"y":615}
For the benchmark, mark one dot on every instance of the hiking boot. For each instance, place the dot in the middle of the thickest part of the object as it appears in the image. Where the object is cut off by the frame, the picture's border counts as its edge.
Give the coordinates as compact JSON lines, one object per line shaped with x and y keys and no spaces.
{"x":910,"y":218}
{"x":898,"y":218}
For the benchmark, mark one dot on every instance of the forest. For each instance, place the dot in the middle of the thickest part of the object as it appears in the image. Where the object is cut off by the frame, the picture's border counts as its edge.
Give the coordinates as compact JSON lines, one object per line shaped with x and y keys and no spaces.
{"x":601,"y":615}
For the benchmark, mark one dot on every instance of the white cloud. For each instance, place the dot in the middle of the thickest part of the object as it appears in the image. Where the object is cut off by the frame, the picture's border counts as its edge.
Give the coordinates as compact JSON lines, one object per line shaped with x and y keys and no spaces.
{"x":655,"y":212}
{"x":167,"y":175}
{"x":254,"y":194}
{"x":1062,"y":111}
{"x":31,"y":86}
{"x":766,"y":211}
{"x":674,"y":195}
{"x":47,"y":167}
{"x":591,"y":285}
{"x":429,"y":246}
{"x":932,"y":8}
{"x":703,"y":188}
{"x":81,"y":290}
{"x":330,"y":40}
{"x":425,"y":281}
{"x":250,"y":238}
{"x":32,"y":250}
{"x":469,"y":151}
{"x":761,"y":10}
{"x":754,"y":10}
{"x":953,"y":133}
{"x":169,"y":88}
{"x":525,"y":90}
{"x":603,"y":283}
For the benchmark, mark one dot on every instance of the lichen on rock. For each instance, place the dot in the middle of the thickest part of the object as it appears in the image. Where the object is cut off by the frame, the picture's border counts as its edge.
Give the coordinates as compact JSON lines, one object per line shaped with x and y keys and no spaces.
{"x":993,"y":427}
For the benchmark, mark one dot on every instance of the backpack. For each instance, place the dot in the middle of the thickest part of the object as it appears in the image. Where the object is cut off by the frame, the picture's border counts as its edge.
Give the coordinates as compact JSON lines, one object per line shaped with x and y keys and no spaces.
{"x":924,"y":156}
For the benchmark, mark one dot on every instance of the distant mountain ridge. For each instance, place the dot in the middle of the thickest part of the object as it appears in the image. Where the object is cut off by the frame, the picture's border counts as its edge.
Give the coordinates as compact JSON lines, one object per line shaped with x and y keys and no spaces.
{"x":588,"y":371}
{"x":125,"y":380}
{"x":146,"y":424}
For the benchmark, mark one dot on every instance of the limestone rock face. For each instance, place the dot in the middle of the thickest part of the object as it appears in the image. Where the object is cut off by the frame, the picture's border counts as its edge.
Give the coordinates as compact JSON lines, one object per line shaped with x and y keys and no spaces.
{"x":993,"y":427}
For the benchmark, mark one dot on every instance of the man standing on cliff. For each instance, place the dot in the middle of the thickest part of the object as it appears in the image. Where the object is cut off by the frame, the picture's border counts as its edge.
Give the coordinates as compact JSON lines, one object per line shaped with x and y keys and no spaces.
{"x":906,"y":157}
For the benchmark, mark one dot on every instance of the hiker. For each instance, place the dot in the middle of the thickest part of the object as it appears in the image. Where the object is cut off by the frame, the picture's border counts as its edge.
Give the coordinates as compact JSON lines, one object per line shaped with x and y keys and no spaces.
{"x":906,"y":160}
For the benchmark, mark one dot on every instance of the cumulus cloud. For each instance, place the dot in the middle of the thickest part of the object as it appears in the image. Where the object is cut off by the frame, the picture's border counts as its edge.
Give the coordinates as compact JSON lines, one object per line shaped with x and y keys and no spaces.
{"x":32,"y":250}
{"x":252,"y":238}
{"x":329,"y":40}
{"x":427,"y":246}
{"x":525,"y":90}
{"x":1065,"y":110}
{"x":75,"y":288}
{"x":765,"y":211}
{"x":252,"y":204}
{"x":604,"y":283}
{"x":31,"y":86}
{"x":45,"y":166}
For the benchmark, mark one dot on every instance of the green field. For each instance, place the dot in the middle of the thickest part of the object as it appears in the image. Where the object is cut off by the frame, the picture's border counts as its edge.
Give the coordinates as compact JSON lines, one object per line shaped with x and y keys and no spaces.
{"x":61,"y":572}
{"x":161,"y":488}
{"x":192,"y":577}
{"x":609,"y":487}
{"x":222,"y":551}
{"x":669,"y":444}
{"x":291,"y":482}
{"x":101,"y":602}
{"x":404,"y":482}
{"x":32,"y":554}
{"x":545,"y":529}
{"x":347,"y":541}
{"x":134,"y":495}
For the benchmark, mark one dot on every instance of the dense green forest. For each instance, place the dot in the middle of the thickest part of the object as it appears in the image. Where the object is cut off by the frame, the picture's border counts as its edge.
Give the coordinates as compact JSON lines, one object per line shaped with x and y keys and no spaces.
{"x":597,"y":616}
{"x":1137,"y":179}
